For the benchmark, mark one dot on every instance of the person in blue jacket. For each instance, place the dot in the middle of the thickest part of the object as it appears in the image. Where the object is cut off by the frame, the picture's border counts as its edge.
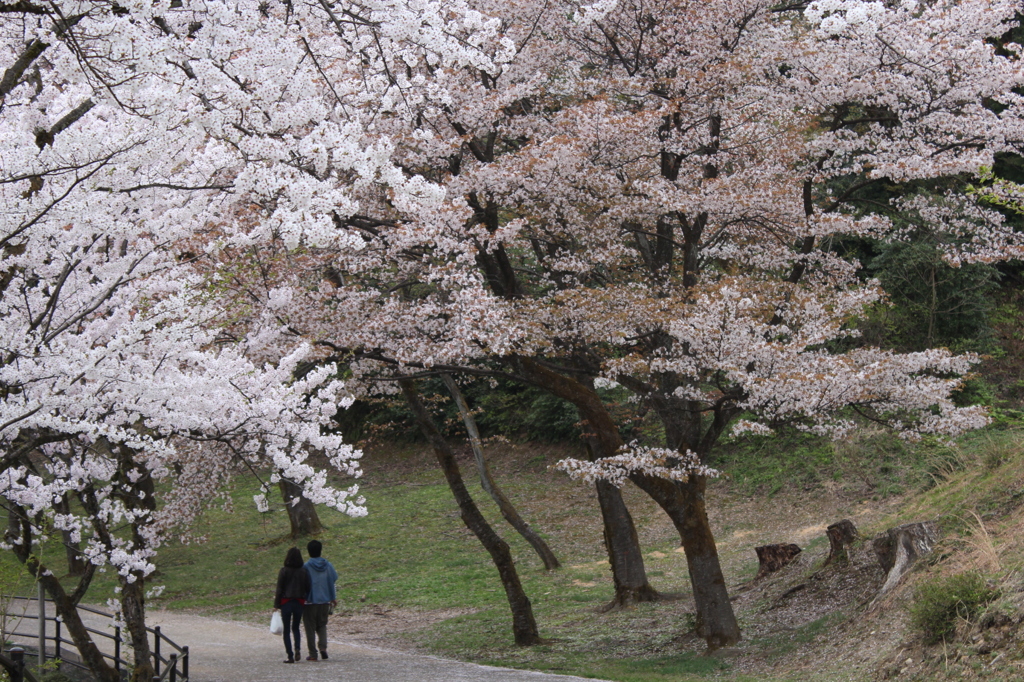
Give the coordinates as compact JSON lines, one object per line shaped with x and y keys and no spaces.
{"x":322,"y":598}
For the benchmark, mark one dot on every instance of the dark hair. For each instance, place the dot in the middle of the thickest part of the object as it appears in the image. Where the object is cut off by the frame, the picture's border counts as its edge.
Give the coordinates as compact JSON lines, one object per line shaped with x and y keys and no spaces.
{"x":293,"y":559}
{"x":314,"y":548}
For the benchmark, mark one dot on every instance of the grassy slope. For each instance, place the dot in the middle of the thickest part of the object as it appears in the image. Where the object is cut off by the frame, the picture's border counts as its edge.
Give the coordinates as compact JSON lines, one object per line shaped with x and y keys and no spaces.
{"x":413,"y":553}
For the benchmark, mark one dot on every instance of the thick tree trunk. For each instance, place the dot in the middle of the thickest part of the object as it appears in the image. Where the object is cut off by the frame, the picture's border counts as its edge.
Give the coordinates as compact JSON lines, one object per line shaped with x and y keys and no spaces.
{"x":301,"y":512}
{"x":621,"y":541}
{"x":684,"y":503}
{"x":508,"y":510}
{"x":133,"y":609}
{"x":524,"y":626}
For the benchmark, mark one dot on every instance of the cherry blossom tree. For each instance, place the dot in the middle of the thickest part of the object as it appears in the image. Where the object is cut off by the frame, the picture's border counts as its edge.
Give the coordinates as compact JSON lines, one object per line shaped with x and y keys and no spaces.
{"x":656,"y":194}
{"x":133,"y":136}
{"x":555,"y":192}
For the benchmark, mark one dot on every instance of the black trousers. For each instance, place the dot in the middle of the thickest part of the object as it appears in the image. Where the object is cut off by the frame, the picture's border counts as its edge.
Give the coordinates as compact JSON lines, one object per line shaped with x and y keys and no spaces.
{"x":291,"y":614}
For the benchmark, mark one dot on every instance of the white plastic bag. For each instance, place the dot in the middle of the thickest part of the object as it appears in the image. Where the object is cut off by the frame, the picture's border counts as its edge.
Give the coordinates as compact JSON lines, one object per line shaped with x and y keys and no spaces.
{"x":276,"y":624}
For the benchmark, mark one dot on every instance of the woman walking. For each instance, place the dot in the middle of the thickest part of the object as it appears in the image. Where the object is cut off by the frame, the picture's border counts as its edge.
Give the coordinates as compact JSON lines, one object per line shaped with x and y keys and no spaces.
{"x":290,"y":597}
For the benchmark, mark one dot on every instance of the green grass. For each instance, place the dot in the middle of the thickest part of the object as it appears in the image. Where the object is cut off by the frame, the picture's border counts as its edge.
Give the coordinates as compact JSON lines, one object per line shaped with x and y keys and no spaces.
{"x":414,"y":553}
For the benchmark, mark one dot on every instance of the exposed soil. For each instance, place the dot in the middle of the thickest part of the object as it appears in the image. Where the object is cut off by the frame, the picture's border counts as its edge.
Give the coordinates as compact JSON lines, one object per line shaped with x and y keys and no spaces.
{"x":379,"y":625}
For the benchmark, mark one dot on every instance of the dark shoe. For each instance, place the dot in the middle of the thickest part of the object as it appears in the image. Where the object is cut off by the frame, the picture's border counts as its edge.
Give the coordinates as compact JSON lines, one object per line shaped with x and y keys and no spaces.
{"x":290,"y":660}
{"x":323,"y":655}
{"x":311,"y":657}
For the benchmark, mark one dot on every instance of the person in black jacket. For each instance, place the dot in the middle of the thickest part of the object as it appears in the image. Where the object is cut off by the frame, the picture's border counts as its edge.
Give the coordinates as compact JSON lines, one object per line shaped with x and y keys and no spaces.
{"x":290,"y":597}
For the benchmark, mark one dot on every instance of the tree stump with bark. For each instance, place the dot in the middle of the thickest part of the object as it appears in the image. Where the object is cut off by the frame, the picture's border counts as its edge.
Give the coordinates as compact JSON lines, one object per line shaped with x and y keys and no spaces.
{"x":841,"y":536}
{"x":899,"y":548}
{"x":302,"y":514}
{"x":773,"y":557}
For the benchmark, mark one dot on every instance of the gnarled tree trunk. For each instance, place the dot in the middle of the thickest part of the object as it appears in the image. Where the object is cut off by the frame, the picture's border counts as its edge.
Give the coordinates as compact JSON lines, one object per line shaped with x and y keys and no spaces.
{"x":772,"y":558}
{"x":840,"y":536}
{"x":506,"y":507}
{"x":524,"y":626}
{"x":899,"y":548}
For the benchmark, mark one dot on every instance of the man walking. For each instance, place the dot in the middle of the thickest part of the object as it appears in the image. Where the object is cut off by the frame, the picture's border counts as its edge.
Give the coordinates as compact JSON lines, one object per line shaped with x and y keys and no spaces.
{"x":322,"y":597}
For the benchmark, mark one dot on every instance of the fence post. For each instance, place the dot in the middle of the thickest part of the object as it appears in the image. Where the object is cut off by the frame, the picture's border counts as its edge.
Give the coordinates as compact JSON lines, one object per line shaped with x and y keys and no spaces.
{"x":184,"y":663}
{"x":18,"y":656}
{"x":172,"y":661}
{"x":56,"y":638}
{"x":42,"y":624}
{"x":156,"y":649}
{"x":117,"y":648}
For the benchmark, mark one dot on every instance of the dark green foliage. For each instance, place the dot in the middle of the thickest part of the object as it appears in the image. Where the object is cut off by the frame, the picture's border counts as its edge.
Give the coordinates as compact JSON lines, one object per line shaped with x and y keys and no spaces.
{"x":933,"y":304}
{"x":769,"y":463}
{"x":503,"y":409}
{"x":872,"y":462}
{"x":529,"y":413}
{"x":940,"y":603}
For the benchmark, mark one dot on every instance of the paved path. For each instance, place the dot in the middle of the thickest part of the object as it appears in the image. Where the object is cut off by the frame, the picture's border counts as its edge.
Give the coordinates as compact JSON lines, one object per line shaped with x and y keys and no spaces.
{"x":230,"y":651}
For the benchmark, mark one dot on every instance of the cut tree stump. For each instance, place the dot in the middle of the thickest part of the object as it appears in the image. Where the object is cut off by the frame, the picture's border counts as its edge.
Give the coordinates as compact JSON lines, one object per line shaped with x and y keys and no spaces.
{"x":899,"y":548}
{"x":773,"y":557}
{"x":841,"y":536}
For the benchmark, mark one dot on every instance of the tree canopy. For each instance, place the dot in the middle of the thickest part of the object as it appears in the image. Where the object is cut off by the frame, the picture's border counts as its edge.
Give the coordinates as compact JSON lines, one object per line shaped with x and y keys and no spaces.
{"x":211,"y":206}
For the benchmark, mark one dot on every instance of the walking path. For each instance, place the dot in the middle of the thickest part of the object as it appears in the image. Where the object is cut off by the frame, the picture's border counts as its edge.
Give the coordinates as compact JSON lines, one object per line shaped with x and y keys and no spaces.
{"x":230,"y":651}
{"x":225,"y":651}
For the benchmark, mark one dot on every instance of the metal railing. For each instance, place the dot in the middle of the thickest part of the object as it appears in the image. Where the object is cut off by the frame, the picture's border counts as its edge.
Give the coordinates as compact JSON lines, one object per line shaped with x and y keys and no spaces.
{"x":173,"y":667}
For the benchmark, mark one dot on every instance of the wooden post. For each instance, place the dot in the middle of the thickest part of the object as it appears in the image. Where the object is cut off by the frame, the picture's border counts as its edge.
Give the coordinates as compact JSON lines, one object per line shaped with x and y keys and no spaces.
{"x":184,"y":663}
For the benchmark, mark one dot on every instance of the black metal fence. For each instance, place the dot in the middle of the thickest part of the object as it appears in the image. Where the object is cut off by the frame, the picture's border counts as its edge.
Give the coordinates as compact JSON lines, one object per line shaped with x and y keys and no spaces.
{"x":172,"y":667}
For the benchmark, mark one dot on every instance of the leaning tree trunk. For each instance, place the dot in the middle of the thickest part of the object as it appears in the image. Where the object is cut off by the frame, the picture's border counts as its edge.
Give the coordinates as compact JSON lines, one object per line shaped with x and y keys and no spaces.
{"x":524,"y":626}
{"x":621,"y":541}
{"x":487,"y":481}
{"x":19,"y":528}
{"x":301,"y":512}
{"x":623,"y":545}
{"x":684,"y":503}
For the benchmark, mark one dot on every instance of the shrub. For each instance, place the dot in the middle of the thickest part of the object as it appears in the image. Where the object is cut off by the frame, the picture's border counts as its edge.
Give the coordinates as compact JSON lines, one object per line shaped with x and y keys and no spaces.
{"x":940,"y":603}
